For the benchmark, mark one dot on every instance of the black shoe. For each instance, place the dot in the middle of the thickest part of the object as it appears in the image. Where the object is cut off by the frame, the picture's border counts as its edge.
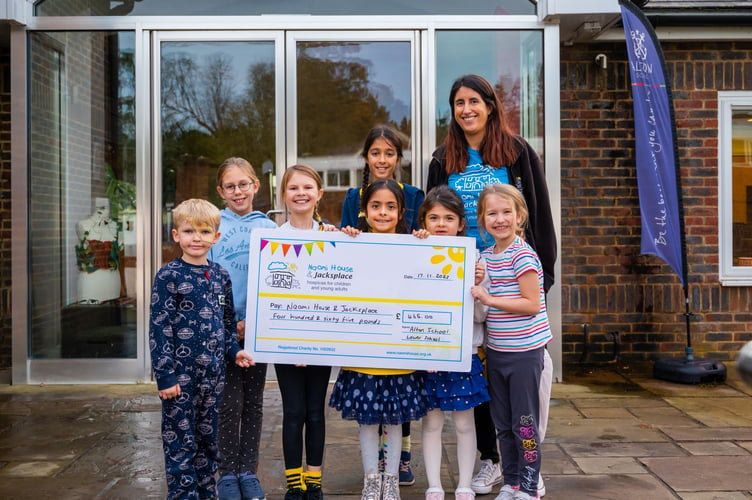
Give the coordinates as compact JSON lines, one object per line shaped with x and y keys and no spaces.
{"x":313,"y":492}
{"x":294,"y":494}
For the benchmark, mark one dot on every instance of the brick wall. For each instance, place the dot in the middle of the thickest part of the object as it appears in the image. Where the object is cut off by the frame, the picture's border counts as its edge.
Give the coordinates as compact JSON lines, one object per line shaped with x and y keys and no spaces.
{"x":5,"y":212}
{"x":606,"y":283}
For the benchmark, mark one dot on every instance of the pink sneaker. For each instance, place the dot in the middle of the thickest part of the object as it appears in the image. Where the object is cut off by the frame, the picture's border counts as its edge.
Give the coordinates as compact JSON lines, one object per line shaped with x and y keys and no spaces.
{"x":434,"y":494}
{"x":464,"y":494}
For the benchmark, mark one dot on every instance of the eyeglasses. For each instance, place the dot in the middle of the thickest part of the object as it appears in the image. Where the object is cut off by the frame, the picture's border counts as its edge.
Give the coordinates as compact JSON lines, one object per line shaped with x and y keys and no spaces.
{"x":243,"y":187}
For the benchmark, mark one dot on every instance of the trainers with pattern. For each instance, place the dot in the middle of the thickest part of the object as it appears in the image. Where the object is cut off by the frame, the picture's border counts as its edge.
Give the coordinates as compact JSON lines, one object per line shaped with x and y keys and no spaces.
{"x":464,"y":494}
{"x":371,"y":487}
{"x":390,"y":487}
{"x":521,"y":495}
{"x":406,"y":477}
{"x":250,"y":488}
{"x":508,"y":492}
{"x":487,"y":477}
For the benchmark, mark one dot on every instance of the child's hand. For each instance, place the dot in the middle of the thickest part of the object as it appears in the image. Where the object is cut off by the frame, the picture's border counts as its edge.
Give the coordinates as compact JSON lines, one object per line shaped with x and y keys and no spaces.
{"x":421,"y":233}
{"x":241,"y":329}
{"x":329,"y":227}
{"x":244,"y":360}
{"x":480,"y":293}
{"x":480,"y":272}
{"x":350,"y":231}
{"x":170,"y":392}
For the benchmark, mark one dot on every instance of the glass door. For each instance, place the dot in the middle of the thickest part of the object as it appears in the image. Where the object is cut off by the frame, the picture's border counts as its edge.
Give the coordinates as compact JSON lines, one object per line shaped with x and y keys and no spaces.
{"x":82,"y":171}
{"x":219,"y":95}
{"x":340,"y":85}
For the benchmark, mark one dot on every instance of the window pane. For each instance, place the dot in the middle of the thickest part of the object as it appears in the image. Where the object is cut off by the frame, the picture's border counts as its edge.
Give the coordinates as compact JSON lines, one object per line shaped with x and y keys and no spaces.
{"x":82,"y":176}
{"x":246,"y":7}
{"x":344,"y":89}
{"x":218,"y":101}
{"x":741,"y":178}
{"x":511,"y":60}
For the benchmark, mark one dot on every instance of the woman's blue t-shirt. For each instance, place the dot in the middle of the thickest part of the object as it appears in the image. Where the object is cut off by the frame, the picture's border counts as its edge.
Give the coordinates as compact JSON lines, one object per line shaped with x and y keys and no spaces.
{"x":469,"y":184}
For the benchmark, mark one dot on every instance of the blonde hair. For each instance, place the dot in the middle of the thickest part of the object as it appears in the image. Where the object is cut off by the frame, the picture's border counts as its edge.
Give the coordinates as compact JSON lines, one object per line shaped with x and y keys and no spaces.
{"x":197,"y":213}
{"x":241,"y":163}
{"x":508,"y":192}
{"x":305,"y":170}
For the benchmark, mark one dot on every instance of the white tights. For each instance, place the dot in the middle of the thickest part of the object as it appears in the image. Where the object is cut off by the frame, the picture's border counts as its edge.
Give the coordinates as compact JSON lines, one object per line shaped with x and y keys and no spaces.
{"x":464,"y":425}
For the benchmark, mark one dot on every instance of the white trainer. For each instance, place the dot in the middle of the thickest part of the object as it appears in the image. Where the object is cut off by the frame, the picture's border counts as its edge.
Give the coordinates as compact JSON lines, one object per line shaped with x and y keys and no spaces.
{"x":541,"y":486}
{"x":507,"y":492}
{"x":487,"y":477}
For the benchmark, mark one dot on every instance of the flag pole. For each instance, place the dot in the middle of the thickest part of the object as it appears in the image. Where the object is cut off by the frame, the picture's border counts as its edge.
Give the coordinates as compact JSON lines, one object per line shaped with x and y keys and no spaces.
{"x":659,"y":180}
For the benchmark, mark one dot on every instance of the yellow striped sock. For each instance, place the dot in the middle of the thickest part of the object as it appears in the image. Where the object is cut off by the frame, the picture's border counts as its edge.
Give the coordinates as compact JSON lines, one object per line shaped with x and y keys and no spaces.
{"x":406,"y":443}
{"x":313,"y":478}
{"x":294,"y":478}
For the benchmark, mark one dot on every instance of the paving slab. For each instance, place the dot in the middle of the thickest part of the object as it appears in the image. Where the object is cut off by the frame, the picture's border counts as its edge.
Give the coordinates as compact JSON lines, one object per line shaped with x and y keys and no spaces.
{"x":608,"y":465}
{"x":713,"y":448}
{"x":556,"y":461}
{"x":606,"y":412}
{"x":602,"y":429}
{"x":715,"y":495}
{"x":666,"y":389}
{"x":717,"y":411}
{"x":606,"y":487}
{"x":664,"y":416}
{"x":702,"y":473}
{"x":708,"y":434}
{"x":646,"y":401}
{"x":622,"y":449}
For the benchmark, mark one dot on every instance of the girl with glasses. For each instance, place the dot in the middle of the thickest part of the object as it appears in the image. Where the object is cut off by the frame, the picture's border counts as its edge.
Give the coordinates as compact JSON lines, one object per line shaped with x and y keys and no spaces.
{"x":240,"y":412}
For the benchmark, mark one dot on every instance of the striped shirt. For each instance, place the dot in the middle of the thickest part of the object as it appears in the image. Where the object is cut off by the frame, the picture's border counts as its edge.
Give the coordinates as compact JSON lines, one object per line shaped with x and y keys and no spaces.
{"x":511,"y":331}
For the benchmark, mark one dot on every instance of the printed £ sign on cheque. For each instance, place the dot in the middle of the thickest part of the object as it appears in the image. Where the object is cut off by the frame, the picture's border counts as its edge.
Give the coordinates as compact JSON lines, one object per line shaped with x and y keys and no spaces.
{"x":374,"y":300}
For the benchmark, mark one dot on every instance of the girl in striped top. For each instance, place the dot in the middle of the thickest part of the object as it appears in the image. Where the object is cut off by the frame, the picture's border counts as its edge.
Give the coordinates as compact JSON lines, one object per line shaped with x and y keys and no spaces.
{"x":517,"y":332}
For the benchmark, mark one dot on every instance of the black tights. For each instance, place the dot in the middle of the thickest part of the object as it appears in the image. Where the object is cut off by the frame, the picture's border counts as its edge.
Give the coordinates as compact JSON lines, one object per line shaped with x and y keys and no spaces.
{"x":303,"y":390}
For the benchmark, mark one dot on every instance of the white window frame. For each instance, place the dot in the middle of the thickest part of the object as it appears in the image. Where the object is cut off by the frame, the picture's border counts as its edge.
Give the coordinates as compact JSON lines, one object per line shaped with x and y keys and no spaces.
{"x":729,"y":273}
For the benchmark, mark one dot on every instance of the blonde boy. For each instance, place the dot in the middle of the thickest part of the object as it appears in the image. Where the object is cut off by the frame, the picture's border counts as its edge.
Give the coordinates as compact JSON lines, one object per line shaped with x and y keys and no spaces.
{"x":191,"y":331}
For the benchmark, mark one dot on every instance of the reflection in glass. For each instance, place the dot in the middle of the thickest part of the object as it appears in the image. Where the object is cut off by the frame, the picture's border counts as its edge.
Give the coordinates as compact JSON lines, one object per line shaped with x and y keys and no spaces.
{"x":82,"y":174}
{"x":741,"y":185}
{"x":343,"y":90}
{"x":510,"y":60}
{"x":218,"y":100}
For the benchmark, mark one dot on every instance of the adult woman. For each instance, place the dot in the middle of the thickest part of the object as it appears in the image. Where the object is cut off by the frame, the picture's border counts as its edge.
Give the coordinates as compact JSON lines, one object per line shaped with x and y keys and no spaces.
{"x":480,"y":149}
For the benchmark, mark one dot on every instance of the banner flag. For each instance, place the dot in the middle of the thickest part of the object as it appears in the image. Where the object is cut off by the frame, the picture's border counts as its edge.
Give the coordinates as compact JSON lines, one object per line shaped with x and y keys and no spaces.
{"x":655,"y":144}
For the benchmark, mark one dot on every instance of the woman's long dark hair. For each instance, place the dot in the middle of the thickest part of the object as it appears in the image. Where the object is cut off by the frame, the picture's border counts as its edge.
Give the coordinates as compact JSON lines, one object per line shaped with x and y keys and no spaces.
{"x":498,"y":147}
{"x":377,"y":185}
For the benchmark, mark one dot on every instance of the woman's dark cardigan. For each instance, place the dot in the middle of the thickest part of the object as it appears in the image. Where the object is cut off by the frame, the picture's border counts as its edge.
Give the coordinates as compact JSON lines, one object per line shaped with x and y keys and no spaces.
{"x":527,"y":174}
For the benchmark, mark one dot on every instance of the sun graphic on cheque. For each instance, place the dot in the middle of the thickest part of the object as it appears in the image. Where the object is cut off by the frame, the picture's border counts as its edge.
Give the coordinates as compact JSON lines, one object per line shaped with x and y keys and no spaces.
{"x":450,"y":258}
